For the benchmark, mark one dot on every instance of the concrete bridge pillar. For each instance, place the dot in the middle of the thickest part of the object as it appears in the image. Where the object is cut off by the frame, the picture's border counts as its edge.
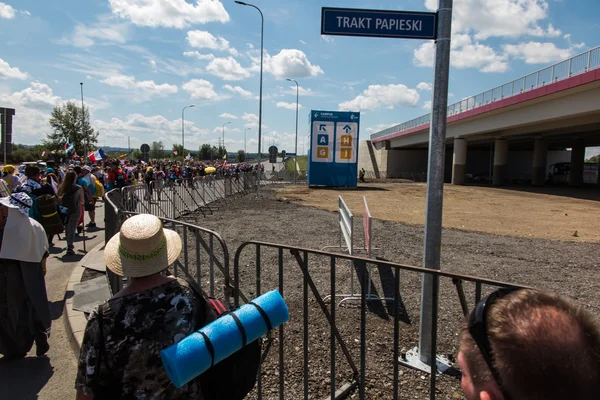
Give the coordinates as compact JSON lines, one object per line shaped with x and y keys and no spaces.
{"x":540,"y":156}
{"x":577,"y":161}
{"x":459,"y":161}
{"x":500,"y":161}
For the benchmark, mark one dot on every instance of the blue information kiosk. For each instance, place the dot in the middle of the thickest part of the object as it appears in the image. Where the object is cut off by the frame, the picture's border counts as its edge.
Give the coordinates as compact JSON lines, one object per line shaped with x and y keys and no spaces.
{"x":333,"y":154}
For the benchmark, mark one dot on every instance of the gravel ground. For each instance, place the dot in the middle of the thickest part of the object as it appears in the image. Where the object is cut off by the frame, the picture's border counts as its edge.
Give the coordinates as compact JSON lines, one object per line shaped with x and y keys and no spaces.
{"x":554,"y":265}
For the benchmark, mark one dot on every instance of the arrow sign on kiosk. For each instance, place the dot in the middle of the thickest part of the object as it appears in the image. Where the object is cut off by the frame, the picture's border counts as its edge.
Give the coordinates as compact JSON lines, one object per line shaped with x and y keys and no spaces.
{"x":378,"y":23}
{"x":322,"y":128}
{"x":347,"y":128}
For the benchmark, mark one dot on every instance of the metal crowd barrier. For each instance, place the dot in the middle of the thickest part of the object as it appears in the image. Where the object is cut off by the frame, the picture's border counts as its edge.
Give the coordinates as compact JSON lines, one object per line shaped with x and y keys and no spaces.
{"x":289,"y":353}
{"x":204,"y":257}
{"x":291,"y":267}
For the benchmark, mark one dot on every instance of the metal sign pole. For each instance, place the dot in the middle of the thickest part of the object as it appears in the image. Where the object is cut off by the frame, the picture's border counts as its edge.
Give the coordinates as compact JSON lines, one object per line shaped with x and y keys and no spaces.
{"x":4,"y":134}
{"x":435,"y":180}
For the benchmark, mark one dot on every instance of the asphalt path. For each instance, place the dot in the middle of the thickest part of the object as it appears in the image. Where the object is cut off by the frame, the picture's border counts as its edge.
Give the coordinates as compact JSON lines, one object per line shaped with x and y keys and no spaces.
{"x":51,"y":377}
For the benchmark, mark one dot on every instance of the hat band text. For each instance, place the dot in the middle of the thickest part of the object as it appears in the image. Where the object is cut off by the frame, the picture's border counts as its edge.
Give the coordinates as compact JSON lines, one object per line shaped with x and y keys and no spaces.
{"x":143,"y":257}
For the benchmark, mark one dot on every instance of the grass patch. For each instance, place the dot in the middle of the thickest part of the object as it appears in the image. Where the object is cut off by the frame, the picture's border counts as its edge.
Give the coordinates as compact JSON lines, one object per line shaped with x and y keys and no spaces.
{"x":302,"y":164}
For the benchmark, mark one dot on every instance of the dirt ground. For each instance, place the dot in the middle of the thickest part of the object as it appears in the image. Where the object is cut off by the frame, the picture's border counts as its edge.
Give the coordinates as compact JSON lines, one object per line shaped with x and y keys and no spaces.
{"x":547,"y":213}
{"x":549,"y":264}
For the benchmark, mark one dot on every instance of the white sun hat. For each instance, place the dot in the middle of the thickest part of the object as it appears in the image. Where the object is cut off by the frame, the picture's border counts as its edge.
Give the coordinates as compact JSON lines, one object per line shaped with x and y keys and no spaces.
{"x":142,"y":247}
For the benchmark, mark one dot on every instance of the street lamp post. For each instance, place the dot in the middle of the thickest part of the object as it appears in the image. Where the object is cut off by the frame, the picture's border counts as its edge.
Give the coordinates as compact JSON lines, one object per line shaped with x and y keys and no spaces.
{"x":245,"y":153}
{"x":183,"y":129}
{"x":82,"y":124}
{"x":296,"y":146}
{"x":260,"y":97}
{"x":223,"y":142}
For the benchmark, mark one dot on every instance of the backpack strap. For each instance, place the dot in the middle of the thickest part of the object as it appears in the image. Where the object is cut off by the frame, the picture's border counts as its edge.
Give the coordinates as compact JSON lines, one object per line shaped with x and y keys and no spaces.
{"x":240,"y":327}
{"x":209,"y":347}
{"x":217,"y":305}
{"x":101,"y":345}
{"x":264,"y":315}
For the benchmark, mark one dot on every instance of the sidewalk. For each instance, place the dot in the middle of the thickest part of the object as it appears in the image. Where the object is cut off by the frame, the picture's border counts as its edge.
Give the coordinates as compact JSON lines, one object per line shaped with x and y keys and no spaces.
{"x":52,"y":377}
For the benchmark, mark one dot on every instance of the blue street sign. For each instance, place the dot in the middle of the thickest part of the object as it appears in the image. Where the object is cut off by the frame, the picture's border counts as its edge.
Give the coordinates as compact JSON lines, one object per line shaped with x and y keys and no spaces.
{"x":378,"y":23}
{"x":333,"y":154}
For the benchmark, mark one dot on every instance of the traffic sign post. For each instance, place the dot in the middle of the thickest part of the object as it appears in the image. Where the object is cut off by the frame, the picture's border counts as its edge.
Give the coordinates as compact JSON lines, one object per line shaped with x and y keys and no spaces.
{"x":145,"y":149}
{"x":415,"y":25}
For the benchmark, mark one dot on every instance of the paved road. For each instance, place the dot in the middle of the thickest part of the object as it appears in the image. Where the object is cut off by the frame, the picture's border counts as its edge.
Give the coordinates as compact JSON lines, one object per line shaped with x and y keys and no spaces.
{"x":52,"y":377}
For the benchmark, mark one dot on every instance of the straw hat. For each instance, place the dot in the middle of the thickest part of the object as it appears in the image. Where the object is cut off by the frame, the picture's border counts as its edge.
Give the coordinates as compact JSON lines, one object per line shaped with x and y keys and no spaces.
{"x":142,"y":247}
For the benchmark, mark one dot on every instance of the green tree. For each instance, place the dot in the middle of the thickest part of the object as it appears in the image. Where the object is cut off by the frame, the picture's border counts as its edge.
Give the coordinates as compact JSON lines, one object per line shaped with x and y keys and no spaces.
{"x":157,"y":150}
{"x":241,"y":156}
{"x":135,"y":154}
{"x":220,"y":151}
{"x":179,"y":150}
{"x":69,"y":122}
{"x":205,"y":152}
{"x":594,"y":159}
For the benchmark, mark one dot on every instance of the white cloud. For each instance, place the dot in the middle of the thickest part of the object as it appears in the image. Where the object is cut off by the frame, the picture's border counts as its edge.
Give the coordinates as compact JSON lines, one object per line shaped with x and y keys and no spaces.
{"x":34,"y":105}
{"x":302,"y":92}
{"x":227,"y":69}
{"x":37,"y":95}
{"x":287,"y":106}
{"x":169,"y":13}
{"x":6,"y":11}
{"x":379,"y":128}
{"x":198,"y":55}
{"x":201,"y":89}
{"x":464,"y":54}
{"x":500,"y":18}
{"x":142,"y":89}
{"x":250,"y":117}
{"x":288,"y":63}
{"x":143,"y":128}
{"x":376,"y":96}
{"x":254,"y":125}
{"x":302,"y":41}
{"x":327,"y":39}
{"x":103,"y":31}
{"x":239,"y":91}
{"x":537,"y":53}
{"x":205,"y":40}
{"x":228,"y":116}
{"x":8,"y":72}
{"x":427,"y":105}
{"x":424,"y":86}
{"x":252,"y":121}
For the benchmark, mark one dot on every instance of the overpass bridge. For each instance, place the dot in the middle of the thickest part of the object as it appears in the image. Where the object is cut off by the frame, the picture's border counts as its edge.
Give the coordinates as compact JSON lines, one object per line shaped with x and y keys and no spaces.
{"x":513,"y":131}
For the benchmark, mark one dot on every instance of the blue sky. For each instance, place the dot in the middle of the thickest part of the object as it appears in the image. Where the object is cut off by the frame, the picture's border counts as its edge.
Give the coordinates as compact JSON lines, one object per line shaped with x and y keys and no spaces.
{"x":141,"y":61}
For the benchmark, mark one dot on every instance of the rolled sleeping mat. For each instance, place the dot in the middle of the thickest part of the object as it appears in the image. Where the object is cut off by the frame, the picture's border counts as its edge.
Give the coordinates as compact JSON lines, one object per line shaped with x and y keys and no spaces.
{"x":196,"y":353}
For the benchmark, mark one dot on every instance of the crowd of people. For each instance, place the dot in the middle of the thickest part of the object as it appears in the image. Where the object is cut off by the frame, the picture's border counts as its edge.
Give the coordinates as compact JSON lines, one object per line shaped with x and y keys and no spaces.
{"x":74,"y":187}
{"x":515,"y":344}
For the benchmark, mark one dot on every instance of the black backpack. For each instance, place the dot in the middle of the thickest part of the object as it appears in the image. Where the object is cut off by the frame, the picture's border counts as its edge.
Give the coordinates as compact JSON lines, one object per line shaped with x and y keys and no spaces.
{"x":234,"y":377}
{"x":51,"y":220}
{"x":68,"y":200}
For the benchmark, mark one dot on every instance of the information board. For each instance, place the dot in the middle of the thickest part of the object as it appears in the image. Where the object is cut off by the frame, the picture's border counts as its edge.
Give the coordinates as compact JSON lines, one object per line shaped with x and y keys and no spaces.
{"x":333,"y":154}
